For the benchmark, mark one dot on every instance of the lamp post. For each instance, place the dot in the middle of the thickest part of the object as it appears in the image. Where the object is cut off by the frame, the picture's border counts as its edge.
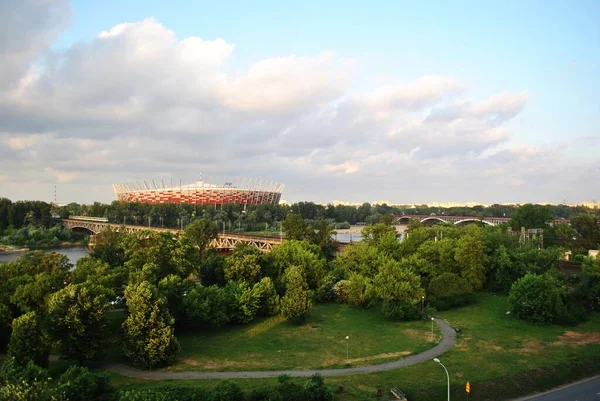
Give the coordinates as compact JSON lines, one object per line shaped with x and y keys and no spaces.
{"x":347,"y":350}
{"x":436,"y":360}
{"x":431,"y":327}
{"x":422,"y":303}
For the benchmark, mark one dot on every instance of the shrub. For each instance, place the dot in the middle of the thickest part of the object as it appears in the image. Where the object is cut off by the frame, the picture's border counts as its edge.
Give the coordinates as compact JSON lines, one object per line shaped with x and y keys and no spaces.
{"x":537,"y":298}
{"x":227,"y":391}
{"x":79,"y":384}
{"x":449,"y":290}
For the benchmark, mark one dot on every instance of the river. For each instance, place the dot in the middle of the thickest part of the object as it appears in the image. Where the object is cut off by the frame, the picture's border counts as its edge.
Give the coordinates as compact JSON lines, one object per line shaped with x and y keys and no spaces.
{"x":74,"y":254}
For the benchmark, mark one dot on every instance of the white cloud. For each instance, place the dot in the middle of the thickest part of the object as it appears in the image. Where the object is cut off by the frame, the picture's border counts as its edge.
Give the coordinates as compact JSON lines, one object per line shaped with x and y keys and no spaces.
{"x":138,"y":102}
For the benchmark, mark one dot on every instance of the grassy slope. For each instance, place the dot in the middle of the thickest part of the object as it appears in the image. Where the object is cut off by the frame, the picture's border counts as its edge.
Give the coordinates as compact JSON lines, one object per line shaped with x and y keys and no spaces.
{"x":500,"y":356}
{"x":274,"y":344}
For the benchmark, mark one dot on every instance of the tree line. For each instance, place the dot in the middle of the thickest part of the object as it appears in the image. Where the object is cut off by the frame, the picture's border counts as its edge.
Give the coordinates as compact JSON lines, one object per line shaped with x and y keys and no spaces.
{"x":168,"y":284}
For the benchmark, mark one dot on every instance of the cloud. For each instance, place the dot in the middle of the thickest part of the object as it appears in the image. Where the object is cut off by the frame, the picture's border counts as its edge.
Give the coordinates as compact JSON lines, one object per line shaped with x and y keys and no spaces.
{"x":27,"y":28}
{"x":138,"y":102}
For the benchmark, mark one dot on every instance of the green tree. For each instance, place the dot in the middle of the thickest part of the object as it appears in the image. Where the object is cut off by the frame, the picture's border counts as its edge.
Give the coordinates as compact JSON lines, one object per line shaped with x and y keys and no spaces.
{"x":537,"y":298}
{"x":399,"y":289}
{"x":449,"y":290}
{"x":149,"y":334}
{"x":469,"y":255}
{"x":247,"y":302}
{"x":531,"y":216}
{"x":295,"y":228}
{"x":77,"y":321}
{"x":588,"y":230}
{"x":244,"y":268}
{"x":295,"y":304}
{"x":358,"y":290}
{"x":25,"y":381}
{"x":300,"y":254}
{"x":28,"y":340}
{"x":210,"y":305}
{"x":109,"y":248}
{"x":201,"y":232}
{"x":90,"y":269}
{"x":269,"y":300}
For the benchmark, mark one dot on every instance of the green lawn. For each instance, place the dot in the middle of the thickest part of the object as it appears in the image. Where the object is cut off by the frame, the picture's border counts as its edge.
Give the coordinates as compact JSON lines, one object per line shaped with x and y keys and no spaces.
{"x":274,"y":344}
{"x":501,"y":357}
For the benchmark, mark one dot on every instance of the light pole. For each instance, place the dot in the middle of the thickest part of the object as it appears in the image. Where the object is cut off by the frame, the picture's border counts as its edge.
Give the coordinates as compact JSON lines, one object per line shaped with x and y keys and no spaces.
{"x":422,"y":303}
{"x":347,"y":350}
{"x":447,"y":375}
{"x":432,"y":327}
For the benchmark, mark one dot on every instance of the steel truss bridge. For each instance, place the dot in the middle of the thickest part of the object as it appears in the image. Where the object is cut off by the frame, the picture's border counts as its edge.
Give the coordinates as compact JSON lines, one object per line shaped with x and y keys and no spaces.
{"x":224,"y":241}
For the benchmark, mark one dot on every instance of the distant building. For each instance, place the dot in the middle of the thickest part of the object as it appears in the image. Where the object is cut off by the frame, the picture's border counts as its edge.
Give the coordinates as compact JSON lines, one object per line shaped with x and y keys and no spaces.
{"x":244,"y":192}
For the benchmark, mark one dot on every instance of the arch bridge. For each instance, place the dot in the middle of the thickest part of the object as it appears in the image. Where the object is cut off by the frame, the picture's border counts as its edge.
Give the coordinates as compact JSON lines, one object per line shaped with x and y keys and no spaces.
{"x":224,"y":241}
{"x":456,"y":220}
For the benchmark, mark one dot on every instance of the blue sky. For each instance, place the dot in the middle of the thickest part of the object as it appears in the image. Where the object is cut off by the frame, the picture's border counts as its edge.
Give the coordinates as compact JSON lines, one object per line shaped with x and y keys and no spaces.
{"x":319,"y":94}
{"x":550,"y":48}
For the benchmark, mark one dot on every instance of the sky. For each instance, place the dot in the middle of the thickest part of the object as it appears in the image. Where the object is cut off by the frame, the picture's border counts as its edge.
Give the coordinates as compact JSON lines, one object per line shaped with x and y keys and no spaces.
{"x":404,"y":102}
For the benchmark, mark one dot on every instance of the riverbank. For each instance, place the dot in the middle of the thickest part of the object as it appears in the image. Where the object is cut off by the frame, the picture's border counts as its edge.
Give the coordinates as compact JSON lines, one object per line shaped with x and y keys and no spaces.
{"x":61,"y":245}
{"x":13,"y":248}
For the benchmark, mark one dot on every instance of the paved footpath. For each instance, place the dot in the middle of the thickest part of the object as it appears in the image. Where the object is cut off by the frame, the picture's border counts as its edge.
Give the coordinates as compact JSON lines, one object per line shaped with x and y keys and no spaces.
{"x":447,"y":342}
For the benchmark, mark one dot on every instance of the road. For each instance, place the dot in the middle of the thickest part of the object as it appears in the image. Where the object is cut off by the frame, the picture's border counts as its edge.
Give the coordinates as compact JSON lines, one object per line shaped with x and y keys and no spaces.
{"x":447,"y":342}
{"x":583,"y":390}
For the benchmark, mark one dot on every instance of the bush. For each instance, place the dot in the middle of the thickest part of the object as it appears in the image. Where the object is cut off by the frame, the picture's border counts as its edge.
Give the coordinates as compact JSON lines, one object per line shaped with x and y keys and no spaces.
{"x":450,"y":290}
{"x":538,"y":298}
{"x":79,"y":384}
{"x":398,"y":310}
{"x":227,"y":391}
{"x":166,"y":393}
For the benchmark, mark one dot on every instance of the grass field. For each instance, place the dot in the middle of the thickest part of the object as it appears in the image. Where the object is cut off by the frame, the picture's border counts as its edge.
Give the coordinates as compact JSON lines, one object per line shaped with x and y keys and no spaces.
{"x":501,"y":357}
{"x":274,"y":344}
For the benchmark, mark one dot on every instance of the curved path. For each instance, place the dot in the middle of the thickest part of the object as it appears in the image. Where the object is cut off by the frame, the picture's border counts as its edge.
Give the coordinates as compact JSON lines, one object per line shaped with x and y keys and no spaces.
{"x":447,"y":342}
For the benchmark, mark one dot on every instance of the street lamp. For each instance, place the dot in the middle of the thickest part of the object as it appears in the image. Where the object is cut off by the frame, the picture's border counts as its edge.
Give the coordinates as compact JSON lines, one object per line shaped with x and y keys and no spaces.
{"x":432,"y":327}
{"x":347,"y":350}
{"x":436,"y":360}
{"x":422,"y":303}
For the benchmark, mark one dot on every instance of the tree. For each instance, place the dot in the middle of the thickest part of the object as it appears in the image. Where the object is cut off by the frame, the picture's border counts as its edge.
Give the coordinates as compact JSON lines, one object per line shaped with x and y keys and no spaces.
{"x":201,"y":232}
{"x":470,"y":257}
{"x":588,"y":230}
{"x":300,"y":254}
{"x":27,"y":341}
{"x":358,"y":290}
{"x":399,"y":289}
{"x":44,"y":274}
{"x":269,"y":300}
{"x":77,"y":321}
{"x":247,"y":302}
{"x":174,"y":288}
{"x":25,"y":381}
{"x":244,"y":268}
{"x":295,"y":227}
{"x":537,"y":298}
{"x":90,"y":269}
{"x":449,"y":290}
{"x":149,"y":334}
{"x":295,"y":304}
{"x":322,"y":236}
{"x":109,"y":248}
{"x":530,"y":216}
{"x":210,"y":305}
{"x":502,"y":272}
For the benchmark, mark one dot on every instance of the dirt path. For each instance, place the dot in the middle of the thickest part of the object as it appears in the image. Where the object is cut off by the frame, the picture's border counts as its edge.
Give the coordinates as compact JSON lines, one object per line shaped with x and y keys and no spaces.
{"x":447,"y":342}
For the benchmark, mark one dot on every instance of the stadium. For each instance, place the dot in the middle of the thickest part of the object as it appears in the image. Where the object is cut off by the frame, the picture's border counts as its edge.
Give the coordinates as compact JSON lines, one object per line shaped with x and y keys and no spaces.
{"x":244,"y":192}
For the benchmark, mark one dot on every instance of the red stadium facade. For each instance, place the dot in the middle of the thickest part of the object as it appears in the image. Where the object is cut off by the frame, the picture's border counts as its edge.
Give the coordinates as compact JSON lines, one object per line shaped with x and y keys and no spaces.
{"x":245,"y":192}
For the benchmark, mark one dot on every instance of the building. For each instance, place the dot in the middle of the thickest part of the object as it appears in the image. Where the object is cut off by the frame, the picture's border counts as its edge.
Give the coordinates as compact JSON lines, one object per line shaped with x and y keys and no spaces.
{"x":244,"y":192}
